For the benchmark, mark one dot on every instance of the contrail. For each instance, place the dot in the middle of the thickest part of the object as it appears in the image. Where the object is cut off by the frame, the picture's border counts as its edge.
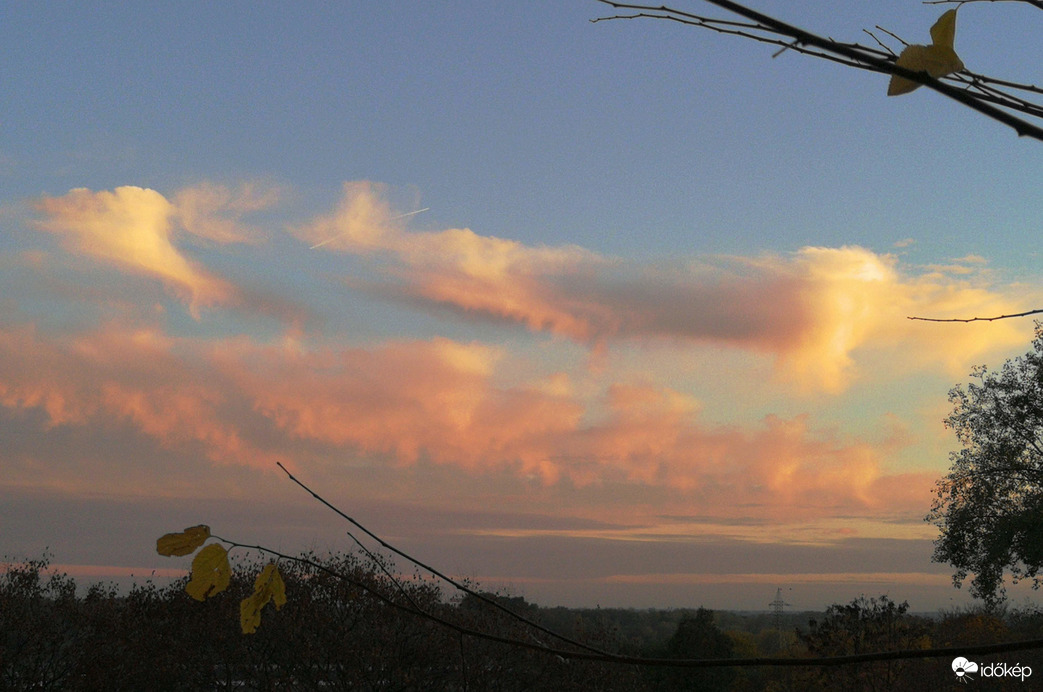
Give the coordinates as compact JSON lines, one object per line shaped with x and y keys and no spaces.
{"x":400,"y":216}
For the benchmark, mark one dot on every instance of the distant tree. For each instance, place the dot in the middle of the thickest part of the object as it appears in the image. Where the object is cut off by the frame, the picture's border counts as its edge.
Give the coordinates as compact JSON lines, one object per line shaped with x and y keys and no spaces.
{"x":698,"y":636}
{"x":865,"y":624}
{"x":968,"y":626}
{"x":36,"y":620}
{"x":989,"y":507}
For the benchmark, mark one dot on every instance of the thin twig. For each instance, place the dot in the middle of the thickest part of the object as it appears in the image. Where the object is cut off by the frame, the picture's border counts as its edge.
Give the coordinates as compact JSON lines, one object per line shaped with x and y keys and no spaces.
{"x":604,"y":657}
{"x":960,"y":3}
{"x":845,"y":54}
{"x":977,"y":319}
{"x":892,"y":35}
{"x":459,"y":586}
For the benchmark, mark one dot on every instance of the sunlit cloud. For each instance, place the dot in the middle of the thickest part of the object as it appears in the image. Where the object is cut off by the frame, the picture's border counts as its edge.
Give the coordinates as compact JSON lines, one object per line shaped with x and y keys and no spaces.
{"x":437,"y":401}
{"x":115,"y":376}
{"x":132,"y":228}
{"x":814,"y":310}
{"x":405,"y":401}
{"x":235,"y":400}
{"x":215,"y":212}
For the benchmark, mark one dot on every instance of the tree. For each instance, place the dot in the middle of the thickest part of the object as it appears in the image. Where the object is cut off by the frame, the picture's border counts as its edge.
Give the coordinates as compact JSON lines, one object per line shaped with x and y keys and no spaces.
{"x":990,"y":505}
{"x":865,"y":624}
{"x":697,"y":636}
{"x":935,"y":66}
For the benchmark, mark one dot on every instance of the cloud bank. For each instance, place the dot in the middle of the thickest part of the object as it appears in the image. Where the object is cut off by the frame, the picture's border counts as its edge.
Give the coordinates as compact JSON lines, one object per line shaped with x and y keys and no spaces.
{"x":435,"y":402}
{"x":812,"y":309}
{"x":828,"y":317}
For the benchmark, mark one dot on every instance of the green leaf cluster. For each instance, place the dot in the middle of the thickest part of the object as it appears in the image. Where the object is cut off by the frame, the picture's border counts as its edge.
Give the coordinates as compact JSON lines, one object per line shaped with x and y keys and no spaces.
{"x":989,"y":507}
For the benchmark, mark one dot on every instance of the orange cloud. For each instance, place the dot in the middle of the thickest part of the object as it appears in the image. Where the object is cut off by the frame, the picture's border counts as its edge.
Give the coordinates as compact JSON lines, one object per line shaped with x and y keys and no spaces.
{"x":457,"y":267}
{"x":813,"y":310}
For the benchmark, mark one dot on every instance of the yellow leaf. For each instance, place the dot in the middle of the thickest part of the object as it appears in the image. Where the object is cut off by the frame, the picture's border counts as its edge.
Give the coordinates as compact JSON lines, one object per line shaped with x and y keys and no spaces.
{"x":268,"y":586}
{"x":937,"y":59}
{"x":183,"y":543}
{"x":943,"y":33}
{"x":211,"y":572}
{"x":250,"y":614}
{"x":278,"y":588}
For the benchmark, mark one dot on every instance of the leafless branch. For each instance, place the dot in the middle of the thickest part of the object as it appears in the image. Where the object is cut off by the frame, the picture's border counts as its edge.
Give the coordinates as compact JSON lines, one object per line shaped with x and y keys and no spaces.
{"x":990,"y":97}
{"x":585,"y":652}
{"x":977,"y":319}
{"x":959,"y":3}
{"x":463,"y":588}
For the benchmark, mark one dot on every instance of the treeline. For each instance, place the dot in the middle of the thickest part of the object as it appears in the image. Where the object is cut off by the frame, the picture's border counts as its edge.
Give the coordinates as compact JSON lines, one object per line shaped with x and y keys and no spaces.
{"x":349,"y":624}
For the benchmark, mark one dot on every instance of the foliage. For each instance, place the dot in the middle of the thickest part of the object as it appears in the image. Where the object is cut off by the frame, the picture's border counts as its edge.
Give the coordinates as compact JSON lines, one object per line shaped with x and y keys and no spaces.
{"x":268,"y":586}
{"x":866,"y":624}
{"x":38,"y":653}
{"x":989,"y":507}
{"x":335,"y":634}
{"x":184,"y":543}
{"x":211,"y":573}
{"x":937,"y":59}
{"x":698,"y":636}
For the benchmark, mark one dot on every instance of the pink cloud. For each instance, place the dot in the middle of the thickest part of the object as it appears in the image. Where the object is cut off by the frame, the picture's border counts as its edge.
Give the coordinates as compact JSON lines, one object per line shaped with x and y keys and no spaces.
{"x":437,"y":401}
{"x":215,"y":212}
{"x":812,"y":310}
{"x":406,"y":401}
{"x":114,"y":375}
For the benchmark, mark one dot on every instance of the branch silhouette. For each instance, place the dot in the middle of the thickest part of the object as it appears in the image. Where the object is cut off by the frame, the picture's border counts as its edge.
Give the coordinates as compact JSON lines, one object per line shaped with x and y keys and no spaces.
{"x":584,"y":652}
{"x":977,"y":319}
{"x":993,"y":98}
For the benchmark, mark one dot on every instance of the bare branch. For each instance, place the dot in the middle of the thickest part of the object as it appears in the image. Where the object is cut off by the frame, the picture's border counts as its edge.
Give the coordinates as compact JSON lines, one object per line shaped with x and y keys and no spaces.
{"x":591,"y":654}
{"x":1038,"y":4}
{"x":977,"y":92}
{"x":977,"y":319}
{"x":449,"y":580}
{"x":892,"y":35}
{"x":881,"y":43}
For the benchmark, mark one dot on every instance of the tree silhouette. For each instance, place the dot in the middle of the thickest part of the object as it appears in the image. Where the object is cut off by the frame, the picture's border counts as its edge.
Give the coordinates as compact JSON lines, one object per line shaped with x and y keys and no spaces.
{"x":698,"y":636}
{"x":990,"y":505}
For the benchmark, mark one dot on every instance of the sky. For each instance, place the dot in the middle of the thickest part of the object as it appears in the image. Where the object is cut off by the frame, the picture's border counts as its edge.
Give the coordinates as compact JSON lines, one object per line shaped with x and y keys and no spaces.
{"x":601,"y":314}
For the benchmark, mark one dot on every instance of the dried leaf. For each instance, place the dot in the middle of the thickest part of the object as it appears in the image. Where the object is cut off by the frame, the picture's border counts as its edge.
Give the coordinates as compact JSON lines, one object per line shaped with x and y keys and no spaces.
{"x":937,"y":59}
{"x":943,"y":33}
{"x":267,"y":587}
{"x":183,"y":543}
{"x":211,"y":572}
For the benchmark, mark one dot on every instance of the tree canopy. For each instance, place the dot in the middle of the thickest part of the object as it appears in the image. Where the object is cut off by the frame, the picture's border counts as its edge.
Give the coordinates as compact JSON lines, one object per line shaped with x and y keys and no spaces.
{"x":989,"y":506}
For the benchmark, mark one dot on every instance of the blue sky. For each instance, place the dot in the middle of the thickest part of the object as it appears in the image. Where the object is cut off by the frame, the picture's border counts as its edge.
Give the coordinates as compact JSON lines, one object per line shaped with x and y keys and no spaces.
{"x":662,"y":277}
